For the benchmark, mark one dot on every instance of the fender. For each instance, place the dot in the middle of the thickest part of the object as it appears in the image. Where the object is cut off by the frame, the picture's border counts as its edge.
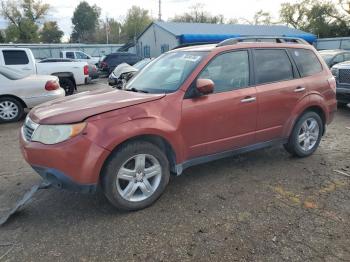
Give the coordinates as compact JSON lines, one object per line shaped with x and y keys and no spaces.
{"x":64,"y":75}
{"x":309,"y":101}
{"x":128,"y":128}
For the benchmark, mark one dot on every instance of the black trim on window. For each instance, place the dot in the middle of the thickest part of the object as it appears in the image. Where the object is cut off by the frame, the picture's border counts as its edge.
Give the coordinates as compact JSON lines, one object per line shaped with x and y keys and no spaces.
{"x":295,"y":72}
{"x":192,"y":92}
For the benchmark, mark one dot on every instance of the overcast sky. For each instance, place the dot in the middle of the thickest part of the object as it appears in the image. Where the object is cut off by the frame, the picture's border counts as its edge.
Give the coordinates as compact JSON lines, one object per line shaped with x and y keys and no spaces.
{"x":62,"y":10}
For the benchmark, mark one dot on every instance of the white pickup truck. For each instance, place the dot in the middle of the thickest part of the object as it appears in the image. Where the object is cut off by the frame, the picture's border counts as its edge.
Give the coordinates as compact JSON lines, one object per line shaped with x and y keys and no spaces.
{"x":70,"y":74}
{"x":78,"y":55}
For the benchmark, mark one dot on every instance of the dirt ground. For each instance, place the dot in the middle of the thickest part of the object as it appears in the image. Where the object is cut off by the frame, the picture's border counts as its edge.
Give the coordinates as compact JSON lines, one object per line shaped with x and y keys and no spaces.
{"x":260,"y":206}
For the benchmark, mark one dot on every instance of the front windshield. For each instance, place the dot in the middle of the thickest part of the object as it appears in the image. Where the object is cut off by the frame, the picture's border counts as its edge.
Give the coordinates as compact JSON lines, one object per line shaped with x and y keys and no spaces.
{"x":141,"y":64}
{"x":166,"y":73}
{"x":10,"y":73}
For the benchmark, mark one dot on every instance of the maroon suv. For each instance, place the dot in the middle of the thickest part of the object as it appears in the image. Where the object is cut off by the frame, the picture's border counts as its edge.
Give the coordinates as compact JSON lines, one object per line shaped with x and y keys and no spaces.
{"x":189,"y":106}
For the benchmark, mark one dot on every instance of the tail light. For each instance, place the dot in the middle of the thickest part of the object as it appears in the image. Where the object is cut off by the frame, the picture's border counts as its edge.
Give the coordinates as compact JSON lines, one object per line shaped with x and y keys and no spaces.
{"x":86,"y":70}
{"x":51,"y":85}
{"x":332,"y":83}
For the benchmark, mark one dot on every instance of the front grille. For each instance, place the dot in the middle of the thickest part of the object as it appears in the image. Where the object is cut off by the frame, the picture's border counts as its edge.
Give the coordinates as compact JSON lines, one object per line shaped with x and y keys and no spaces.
{"x":344,"y":76}
{"x":28,"y":129}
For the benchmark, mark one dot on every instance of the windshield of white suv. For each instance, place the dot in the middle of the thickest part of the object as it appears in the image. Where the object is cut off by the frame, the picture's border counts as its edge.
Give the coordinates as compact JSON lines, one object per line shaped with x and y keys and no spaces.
{"x":10,"y":73}
{"x":166,"y":73}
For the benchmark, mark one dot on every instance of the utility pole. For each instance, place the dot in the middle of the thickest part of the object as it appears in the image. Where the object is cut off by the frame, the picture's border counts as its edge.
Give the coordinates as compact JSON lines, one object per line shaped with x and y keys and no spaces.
{"x":107,"y":30}
{"x":160,"y":11}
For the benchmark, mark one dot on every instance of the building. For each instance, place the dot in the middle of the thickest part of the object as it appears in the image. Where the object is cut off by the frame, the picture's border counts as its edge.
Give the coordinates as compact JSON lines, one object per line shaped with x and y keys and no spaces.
{"x":160,"y":37}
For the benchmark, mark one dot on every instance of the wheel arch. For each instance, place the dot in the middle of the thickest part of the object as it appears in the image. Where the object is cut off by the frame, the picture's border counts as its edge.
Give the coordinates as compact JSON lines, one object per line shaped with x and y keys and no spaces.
{"x":312,"y":108}
{"x":158,"y":141}
{"x":17,"y":98}
{"x":68,"y":75}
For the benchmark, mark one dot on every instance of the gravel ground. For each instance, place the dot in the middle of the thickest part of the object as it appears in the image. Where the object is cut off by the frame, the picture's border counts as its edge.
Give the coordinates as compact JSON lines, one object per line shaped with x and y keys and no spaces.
{"x":260,"y":206}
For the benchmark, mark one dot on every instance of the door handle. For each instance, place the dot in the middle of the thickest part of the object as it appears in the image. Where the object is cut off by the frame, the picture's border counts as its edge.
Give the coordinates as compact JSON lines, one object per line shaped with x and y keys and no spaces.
{"x":26,"y":69}
{"x":299,"y":89}
{"x":248,"y":99}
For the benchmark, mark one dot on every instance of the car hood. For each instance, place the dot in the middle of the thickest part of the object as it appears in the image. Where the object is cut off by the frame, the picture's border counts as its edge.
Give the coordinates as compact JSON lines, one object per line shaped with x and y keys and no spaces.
{"x":342,"y":65}
{"x":78,"y":107}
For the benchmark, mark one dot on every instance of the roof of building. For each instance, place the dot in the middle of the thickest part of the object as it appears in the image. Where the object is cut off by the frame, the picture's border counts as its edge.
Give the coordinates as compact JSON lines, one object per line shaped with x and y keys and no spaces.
{"x":197,"y":32}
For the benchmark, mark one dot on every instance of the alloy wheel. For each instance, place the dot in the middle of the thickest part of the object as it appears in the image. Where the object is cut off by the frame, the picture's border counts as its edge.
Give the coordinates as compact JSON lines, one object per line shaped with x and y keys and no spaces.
{"x":8,"y":110}
{"x":308,"y":134}
{"x":139,"y":177}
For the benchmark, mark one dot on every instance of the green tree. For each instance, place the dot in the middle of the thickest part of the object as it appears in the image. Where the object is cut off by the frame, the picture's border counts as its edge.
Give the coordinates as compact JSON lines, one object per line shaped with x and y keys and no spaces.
{"x":85,"y":22}
{"x":137,"y":19}
{"x":110,"y":27}
{"x":24,"y":17}
{"x":321,"y":18}
{"x":197,"y":14}
{"x":50,"y":33}
{"x":2,"y":37}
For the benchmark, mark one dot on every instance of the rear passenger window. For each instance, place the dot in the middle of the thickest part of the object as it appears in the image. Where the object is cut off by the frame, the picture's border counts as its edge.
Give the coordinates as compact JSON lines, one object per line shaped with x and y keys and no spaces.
{"x":307,"y":62}
{"x":228,"y":71}
{"x":14,"y":57}
{"x":70,"y":55}
{"x":272,"y":65}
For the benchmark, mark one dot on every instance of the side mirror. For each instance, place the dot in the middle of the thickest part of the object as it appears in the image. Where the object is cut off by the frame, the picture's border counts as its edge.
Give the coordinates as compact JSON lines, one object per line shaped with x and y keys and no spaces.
{"x":205,"y":86}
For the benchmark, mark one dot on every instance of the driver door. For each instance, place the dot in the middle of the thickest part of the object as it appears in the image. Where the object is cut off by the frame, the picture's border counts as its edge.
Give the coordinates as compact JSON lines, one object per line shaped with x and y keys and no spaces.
{"x":226,"y":119}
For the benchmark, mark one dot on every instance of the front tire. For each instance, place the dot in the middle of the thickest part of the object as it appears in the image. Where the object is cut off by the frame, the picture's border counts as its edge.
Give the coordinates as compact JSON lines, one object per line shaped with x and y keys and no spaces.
{"x":135,"y":176}
{"x":306,"y":135}
{"x":11,"y":110}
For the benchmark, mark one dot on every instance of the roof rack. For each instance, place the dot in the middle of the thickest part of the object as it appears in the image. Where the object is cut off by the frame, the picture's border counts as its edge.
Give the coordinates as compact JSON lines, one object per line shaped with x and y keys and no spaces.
{"x":275,"y":39}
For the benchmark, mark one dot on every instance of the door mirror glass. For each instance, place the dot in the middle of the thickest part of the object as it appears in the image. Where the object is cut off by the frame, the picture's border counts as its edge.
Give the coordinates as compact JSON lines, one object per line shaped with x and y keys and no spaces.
{"x":205,"y":86}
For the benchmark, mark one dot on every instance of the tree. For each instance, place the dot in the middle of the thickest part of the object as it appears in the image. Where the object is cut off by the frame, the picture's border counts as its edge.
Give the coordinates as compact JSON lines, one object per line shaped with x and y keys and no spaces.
{"x":110,"y":27}
{"x":24,"y":17}
{"x":136,"y":21}
{"x":2,"y":37}
{"x":321,"y":18}
{"x":198,"y":15}
{"x":262,"y":18}
{"x":50,"y":33}
{"x":85,"y":22}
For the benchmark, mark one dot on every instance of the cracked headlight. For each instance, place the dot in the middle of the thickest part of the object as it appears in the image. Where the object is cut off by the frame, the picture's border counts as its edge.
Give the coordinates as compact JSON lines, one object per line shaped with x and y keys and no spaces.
{"x":53,"y":134}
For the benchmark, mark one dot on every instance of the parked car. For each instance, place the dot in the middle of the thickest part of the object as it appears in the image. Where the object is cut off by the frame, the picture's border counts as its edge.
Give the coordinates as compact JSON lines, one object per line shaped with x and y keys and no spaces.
{"x":111,"y":61}
{"x":124,"y":72}
{"x":341,"y":73}
{"x":189,"y":106}
{"x":332,"y":57}
{"x":93,"y":71}
{"x":70,"y":74}
{"x":18,"y":92}
{"x":79,"y":55}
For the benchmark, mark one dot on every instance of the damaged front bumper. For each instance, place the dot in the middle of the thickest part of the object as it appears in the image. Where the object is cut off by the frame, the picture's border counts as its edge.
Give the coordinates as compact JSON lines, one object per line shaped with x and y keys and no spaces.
{"x":59,"y":180}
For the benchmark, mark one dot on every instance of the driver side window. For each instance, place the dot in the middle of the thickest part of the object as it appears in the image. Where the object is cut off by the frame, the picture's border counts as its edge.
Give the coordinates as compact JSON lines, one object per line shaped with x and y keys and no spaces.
{"x":228,"y":71}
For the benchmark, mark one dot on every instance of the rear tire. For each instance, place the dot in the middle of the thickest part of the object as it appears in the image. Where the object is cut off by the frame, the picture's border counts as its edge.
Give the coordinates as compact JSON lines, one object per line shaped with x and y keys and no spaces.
{"x":11,"y":110}
{"x":135,"y":176}
{"x":306,"y":135}
{"x":68,"y":86}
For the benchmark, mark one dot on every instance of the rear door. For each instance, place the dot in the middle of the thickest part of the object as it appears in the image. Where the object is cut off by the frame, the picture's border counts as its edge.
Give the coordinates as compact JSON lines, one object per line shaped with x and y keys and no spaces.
{"x":19,"y":60}
{"x":226,"y":119}
{"x":279,"y":89}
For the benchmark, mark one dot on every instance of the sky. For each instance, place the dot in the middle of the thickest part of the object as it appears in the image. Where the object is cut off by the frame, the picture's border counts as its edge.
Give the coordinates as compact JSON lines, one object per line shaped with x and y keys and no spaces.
{"x":62,"y":10}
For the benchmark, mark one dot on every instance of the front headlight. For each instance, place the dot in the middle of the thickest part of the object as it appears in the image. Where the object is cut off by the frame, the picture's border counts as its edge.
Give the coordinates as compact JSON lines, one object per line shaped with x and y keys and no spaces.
{"x":53,"y":134}
{"x":335,"y":71}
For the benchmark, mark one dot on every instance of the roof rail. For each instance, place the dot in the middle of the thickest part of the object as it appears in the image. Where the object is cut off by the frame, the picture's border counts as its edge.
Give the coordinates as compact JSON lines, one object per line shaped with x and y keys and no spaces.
{"x":192,"y":44}
{"x":275,"y":39}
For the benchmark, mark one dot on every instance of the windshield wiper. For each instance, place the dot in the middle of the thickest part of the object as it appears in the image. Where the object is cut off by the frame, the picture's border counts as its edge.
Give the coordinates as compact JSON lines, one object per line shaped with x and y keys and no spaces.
{"x":133,"y":89}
